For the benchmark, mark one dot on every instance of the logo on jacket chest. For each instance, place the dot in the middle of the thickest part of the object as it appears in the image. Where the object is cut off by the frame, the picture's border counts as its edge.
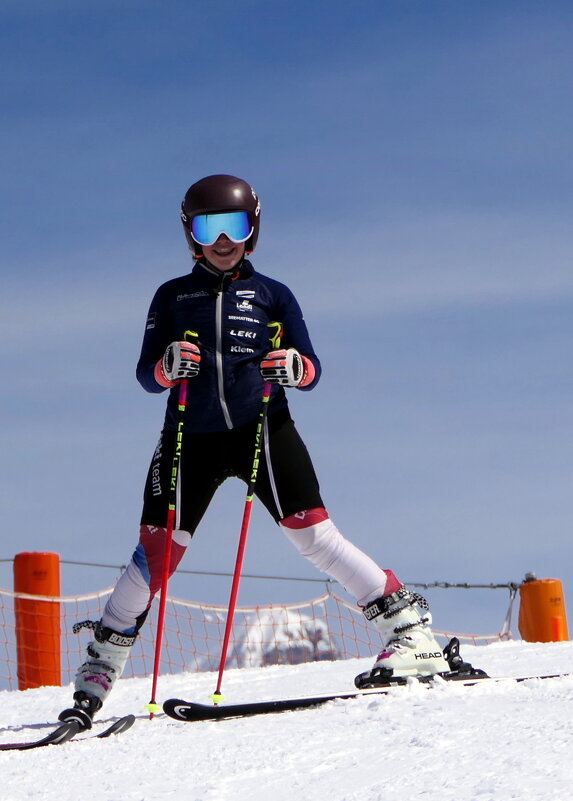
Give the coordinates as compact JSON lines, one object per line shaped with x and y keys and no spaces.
{"x":234,"y":332}
{"x":187,"y":296}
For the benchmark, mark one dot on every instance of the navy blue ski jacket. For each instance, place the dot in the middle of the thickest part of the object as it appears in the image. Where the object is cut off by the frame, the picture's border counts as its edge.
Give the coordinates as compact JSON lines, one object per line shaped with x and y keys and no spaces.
{"x":230,"y":314}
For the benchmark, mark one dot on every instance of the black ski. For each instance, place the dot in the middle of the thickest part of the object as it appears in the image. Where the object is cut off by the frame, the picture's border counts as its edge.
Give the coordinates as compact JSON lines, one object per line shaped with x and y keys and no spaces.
{"x":67,"y":733}
{"x":62,"y":734}
{"x":118,"y":727}
{"x":190,"y":711}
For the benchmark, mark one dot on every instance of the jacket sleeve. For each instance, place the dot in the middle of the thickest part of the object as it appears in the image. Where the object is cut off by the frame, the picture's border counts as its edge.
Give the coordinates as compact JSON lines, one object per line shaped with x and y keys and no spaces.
{"x":157,"y":337}
{"x":295,"y":332}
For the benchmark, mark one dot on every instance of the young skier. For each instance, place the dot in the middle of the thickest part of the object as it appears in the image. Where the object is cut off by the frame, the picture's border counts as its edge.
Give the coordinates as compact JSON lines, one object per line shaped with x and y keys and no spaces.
{"x":211,"y":327}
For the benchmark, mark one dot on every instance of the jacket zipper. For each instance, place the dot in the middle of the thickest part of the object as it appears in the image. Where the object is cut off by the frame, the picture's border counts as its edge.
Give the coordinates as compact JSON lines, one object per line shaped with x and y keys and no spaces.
{"x":219,"y":354}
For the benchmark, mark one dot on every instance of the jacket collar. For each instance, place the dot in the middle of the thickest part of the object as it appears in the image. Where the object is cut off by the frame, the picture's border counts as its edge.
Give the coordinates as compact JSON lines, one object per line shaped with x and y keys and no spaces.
{"x":204,"y":269}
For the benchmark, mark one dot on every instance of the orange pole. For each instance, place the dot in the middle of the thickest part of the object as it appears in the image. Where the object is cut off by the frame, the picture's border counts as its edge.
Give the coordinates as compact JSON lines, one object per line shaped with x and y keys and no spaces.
{"x":542,"y":611}
{"x":37,"y":622}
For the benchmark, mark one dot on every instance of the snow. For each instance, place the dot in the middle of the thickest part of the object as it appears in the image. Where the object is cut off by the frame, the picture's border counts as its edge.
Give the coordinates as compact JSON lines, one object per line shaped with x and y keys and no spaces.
{"x":491,"y":742}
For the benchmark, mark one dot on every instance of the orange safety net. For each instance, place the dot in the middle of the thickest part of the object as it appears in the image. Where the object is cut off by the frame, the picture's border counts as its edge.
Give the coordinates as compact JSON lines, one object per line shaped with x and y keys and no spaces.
{"x":323,"y":628}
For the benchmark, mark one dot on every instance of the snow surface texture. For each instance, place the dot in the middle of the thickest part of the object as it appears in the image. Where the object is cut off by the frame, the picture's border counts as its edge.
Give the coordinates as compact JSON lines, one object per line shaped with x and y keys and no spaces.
{"x":492,"y":742}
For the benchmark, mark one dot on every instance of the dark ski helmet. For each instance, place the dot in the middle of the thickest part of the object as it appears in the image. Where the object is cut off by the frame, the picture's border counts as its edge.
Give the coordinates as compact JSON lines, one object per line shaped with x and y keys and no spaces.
{"x":220,"y":193}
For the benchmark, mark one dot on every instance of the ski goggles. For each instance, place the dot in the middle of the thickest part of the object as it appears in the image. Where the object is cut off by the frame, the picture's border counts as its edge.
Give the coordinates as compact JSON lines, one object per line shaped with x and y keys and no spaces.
{"x":207,"y":228}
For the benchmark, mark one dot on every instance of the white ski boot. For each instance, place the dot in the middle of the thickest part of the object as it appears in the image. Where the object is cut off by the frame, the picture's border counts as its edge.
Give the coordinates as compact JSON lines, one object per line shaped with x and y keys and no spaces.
{"x":107,"y":655}
{"x":409,"y":647}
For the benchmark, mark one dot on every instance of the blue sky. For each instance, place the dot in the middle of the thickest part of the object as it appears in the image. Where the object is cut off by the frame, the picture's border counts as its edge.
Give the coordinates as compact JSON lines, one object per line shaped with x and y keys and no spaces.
{"x":413,"y":161}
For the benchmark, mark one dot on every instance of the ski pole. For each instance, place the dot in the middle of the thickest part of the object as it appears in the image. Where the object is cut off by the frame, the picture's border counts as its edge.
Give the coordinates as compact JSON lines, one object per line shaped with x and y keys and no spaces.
{"x":267,"y":387}
{"x":242,"y":541}
{"x":152,"y":706}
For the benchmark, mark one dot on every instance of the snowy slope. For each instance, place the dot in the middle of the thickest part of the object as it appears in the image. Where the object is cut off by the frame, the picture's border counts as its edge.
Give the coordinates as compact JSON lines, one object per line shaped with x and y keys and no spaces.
{"x":487,"y":743}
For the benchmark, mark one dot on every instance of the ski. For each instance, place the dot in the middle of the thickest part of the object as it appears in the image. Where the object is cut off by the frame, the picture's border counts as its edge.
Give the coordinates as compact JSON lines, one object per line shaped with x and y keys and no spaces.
{"x":62,"y":734}
{"x":67,"y":732}
{"x":117,"y":727}
{"x":189,"y":711}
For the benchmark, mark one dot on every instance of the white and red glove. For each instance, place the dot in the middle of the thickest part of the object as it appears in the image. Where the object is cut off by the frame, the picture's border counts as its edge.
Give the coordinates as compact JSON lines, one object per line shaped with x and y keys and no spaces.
{"x":181,"y":360}
{"x":287,"y":368}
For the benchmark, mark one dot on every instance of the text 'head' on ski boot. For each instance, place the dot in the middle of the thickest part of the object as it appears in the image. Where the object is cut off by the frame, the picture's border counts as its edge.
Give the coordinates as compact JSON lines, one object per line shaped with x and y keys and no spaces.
{"x":107,"y":655}
{"x":408,"y":646}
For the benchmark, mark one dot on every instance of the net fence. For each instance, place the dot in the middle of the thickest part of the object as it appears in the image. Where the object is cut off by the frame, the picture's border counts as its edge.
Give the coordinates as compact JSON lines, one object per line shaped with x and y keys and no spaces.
{"x":324,"y":628}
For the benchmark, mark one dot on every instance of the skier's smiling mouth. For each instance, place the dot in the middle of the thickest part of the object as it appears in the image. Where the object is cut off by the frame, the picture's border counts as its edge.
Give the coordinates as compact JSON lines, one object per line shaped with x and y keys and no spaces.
{"x":224,"y":254}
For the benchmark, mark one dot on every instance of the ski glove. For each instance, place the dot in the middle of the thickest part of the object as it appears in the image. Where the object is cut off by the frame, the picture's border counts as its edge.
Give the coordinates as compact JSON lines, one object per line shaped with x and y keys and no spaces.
{"x":287,"y":368}
{"x":181,"y":360}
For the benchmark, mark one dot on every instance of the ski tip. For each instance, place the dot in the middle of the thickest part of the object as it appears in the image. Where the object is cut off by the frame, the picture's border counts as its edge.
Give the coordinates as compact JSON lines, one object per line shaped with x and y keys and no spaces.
{"x":178,"y":709}
{"x":121,"y":725}
{"x":64,"y":732}
{"x":124,"y":723}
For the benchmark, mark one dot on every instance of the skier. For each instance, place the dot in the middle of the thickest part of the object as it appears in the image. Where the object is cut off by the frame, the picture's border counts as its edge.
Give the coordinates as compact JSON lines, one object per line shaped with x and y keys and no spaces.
{"x":210,"y":327}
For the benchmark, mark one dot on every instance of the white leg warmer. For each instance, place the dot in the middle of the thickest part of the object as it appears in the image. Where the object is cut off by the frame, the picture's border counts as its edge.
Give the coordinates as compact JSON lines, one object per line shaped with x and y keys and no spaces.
{"x":128,"y":600}
{"x":323,"y":544}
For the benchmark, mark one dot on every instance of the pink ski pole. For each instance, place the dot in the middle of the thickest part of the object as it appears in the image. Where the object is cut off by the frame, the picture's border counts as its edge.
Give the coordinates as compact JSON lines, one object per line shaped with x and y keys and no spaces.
{"x":242,"y":540}
{"x":152,"y":706}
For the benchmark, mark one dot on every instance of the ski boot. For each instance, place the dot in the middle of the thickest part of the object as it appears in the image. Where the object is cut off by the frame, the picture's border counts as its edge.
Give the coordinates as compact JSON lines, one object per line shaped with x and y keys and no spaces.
{"x":409,"y":647}
{"x":107,"y":655}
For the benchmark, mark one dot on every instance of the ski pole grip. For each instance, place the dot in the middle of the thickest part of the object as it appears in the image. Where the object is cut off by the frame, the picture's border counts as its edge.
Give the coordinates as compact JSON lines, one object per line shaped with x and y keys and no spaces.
{"x":275,"y":334}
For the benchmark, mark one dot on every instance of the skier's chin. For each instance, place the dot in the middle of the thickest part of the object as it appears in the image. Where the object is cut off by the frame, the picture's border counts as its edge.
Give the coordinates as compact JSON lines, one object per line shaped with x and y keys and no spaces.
{"x":224,"y":264}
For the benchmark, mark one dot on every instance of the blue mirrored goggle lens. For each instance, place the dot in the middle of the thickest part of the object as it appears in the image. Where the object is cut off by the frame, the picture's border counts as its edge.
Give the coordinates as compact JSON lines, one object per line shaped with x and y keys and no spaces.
{"x":207,"y":228}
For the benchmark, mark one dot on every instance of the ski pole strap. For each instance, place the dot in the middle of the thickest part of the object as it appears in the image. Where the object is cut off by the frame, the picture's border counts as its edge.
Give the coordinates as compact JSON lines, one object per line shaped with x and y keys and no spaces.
{"x":84,"y":624}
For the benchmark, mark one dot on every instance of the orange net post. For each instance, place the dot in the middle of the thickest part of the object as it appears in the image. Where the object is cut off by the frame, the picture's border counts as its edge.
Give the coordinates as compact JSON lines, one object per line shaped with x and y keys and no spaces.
{"x":37,"y":621}
{"x":542,"y":612}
